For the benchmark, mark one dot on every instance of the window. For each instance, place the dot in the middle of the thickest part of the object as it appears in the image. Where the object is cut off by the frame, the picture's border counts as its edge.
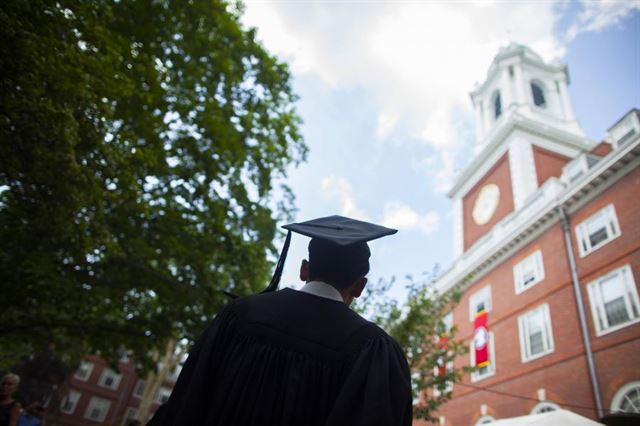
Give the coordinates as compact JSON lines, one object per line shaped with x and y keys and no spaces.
{"x":497,"y":105}
{"x":110,"y":379}
{"x":574,"y":169}
{"x":627,"y":399}
{"x":97,"y":409}
{"x":598,"y":230}
{"x":445,"y":324}
{"x":614,"y":301}
{"x":544,"y":407}
{"x":485,"y":420}
{"x":480,"y":300}
{"x":163,"y":395}
{"x":538,"y":95}
{"x":139,"y":389}
{"x":528,"y":272}
{"x":536,"y":337}
{"x":439,"y":370}
{"x":69,"y":403}
{"x":175,"y":373}
{"x":84,"y":371}
{"x":129,"y":415}
{"x":489,"y":370}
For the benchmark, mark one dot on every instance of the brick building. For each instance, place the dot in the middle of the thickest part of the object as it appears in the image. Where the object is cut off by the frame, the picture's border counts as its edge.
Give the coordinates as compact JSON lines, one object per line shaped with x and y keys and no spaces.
{"x":547,"y":237}
{"x":98,"y":395}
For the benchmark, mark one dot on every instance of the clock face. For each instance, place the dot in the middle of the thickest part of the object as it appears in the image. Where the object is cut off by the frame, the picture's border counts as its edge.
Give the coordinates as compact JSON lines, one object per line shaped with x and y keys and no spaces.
{"x":486,"y":204}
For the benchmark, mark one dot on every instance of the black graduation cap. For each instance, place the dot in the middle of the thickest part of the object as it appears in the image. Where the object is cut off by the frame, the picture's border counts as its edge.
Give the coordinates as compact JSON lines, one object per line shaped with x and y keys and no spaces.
{"x":339,"y":230}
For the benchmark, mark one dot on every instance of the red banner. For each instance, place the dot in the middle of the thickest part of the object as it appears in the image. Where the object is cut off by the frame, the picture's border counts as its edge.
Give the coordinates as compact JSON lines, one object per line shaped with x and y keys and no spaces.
{"x":442,"y":344}
{"x":481,"y":339}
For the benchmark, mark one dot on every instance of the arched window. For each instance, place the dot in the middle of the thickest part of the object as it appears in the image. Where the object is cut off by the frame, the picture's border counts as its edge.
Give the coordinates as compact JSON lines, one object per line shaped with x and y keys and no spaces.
{"x":538,"y":95}
{"x":627,"y":399}
{"x":497,"y":105}
{"x":544,"y":407}
{"x":484,"y":420}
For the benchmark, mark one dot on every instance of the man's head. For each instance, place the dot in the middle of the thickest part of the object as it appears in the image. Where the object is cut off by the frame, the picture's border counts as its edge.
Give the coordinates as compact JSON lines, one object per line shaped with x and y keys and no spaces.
{"x":9,"y":384}
{"x":343,"y":267}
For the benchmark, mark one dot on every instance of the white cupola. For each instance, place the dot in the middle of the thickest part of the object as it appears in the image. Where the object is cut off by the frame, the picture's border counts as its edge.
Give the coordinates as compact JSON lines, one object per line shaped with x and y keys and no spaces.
{"x":519,"y":82}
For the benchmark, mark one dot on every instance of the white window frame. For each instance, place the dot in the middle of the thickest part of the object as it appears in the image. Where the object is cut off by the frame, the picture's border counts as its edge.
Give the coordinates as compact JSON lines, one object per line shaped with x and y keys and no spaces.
{"x":102,"y":404}
{"x":84,"y":371}
{"x":612,"y":227}
{"x":138,"y":389}
{"x":542,"y":407}
{"x":630,"y":296}
{"x":575,"y":169}
{"x":73,"y":396}
{"x":523,"y":327}
{"x":483,"y":420}
{"x":130,"y":414}
{"x":519,"y":270}
{"x":483,"y":294}
{"x":491,"y":368}
{"x":618,"y":398}
{"x":106,"y":373}
{"x":163,"y":391}
{"x":175,"y":373}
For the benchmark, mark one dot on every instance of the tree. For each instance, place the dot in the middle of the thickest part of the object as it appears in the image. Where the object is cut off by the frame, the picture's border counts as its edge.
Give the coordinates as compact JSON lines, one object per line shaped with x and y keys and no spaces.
{"x":142,"y":153}
{"x":418,"y":326}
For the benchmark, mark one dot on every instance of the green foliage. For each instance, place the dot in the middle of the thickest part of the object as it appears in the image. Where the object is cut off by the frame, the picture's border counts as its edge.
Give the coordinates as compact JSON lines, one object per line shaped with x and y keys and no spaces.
{"x":418,"y":327}
{"x":141,"y":143}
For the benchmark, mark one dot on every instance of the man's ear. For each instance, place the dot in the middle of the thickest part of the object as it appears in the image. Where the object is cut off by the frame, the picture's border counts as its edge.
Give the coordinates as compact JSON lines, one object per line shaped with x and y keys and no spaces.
{"x":359,"y":286}
{"x":304,"y":270}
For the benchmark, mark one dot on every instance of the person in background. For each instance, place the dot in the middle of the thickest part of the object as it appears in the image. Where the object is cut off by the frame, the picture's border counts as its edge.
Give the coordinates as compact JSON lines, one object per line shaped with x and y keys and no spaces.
{"x":33,"y":415}
{"x":9,"y":407}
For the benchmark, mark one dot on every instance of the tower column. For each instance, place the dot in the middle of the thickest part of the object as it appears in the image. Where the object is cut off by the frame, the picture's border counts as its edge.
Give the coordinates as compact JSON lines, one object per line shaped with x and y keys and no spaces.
{"x":477,"y":106}
{"x":488,"y":115}
{"x":564,"y":99}
{"x":507,"y":97}
{"x":520,"y":95}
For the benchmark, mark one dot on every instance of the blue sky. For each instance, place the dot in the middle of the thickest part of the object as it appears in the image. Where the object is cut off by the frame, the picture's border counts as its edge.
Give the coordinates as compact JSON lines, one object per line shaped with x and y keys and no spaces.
{"x":384,"y":90}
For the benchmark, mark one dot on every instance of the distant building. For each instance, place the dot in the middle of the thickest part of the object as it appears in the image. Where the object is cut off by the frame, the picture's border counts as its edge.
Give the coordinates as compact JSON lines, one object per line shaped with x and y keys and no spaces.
{"x":547,"y":239}
{"x":96,"y":394}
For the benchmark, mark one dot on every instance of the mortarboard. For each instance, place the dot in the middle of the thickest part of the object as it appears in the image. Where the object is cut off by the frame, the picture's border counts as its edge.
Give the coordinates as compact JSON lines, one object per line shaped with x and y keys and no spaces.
{"x":339,"y":230}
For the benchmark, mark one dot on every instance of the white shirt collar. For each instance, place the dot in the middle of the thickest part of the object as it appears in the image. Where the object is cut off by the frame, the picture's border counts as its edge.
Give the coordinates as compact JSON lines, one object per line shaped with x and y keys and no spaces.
{"x":322,"y":289}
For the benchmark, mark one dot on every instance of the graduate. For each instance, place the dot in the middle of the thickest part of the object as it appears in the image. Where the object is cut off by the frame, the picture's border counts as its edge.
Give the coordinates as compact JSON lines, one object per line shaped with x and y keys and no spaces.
{"x":298,"y":357}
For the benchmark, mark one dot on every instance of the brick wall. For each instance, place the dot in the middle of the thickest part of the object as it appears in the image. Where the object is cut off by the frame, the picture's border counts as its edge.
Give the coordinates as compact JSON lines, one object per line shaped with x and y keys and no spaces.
{"x":499,"y":175}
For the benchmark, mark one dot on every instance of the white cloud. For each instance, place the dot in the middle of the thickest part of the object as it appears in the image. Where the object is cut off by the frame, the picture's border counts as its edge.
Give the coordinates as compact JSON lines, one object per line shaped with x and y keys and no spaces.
{"x":339,"y":189}
{"x":401,"y":216}
{"x":597,"y":15}
{"x":386,"y":124}
{"x":419,"y":60}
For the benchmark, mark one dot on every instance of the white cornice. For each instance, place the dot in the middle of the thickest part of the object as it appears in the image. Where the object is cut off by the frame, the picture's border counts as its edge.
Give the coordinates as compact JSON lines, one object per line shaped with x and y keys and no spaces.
{"x":521,"y":226}
{"x":512,"y":122}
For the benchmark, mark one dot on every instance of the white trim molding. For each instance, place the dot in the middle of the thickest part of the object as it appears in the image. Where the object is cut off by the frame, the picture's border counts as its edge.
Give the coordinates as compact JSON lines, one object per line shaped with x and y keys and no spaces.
{"x":597,"y":230}
{"x":528,"y":272}
{"x":614,"y":301}
{"x":535,"y":322}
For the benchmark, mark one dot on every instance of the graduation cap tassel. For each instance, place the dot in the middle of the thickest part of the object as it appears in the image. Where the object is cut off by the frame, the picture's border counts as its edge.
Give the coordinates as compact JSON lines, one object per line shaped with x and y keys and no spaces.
{"x":277,"y":274}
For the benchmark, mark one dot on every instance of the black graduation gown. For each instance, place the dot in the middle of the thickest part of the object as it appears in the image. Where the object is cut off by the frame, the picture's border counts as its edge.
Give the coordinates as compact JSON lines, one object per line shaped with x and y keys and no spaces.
{"x":291,"y":358}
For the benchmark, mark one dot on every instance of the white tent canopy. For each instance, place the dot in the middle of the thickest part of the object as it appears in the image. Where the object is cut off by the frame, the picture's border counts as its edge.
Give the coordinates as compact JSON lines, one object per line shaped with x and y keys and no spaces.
{"x":551,"y":418}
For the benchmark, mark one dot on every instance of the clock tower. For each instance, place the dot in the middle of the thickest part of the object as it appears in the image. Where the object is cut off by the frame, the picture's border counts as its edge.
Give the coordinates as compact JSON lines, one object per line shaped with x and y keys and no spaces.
{"x":525,"y":134}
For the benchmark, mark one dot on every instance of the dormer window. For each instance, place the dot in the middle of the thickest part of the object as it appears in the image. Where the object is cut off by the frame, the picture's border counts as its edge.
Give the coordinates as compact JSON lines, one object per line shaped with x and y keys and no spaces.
{"x":497,"y":105}
{"x":538,"y":95}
